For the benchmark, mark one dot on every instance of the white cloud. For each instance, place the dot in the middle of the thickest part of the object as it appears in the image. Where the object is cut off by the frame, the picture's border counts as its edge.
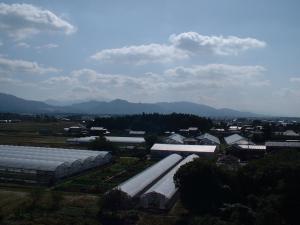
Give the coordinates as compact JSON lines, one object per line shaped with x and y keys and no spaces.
{"x":22,"y":45}
{"x":219,"y":45}
{"x":181,"y":46}
{"x":21,"y":21}
{"x":63,"y":80}
{"x":219,"y":75}
{"x":109,"y":86}
{"x":47,"y":46}
{"x":9,"y":66}
{"x":181,"y":83}
{"x":283,"y":92}
{"x":295,"y":79}
{"x":141,"y":54}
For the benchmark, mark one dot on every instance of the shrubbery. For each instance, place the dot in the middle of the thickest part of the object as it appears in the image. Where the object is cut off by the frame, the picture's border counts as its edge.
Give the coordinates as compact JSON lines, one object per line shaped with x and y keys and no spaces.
{"x":264,"y":192}
{"x":104,"y":145}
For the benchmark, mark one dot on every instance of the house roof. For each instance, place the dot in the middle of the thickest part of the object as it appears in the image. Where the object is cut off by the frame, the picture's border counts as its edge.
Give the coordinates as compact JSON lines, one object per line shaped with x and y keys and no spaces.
{"x":209,"y":137}
{"x":290,"y":133}
{"x":176,"y":137}
{"x":232,"y":139}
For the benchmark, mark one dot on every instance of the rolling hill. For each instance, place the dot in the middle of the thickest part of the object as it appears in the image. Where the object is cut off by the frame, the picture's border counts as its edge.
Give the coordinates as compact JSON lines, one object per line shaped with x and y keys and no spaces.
{"x":10,"y":103}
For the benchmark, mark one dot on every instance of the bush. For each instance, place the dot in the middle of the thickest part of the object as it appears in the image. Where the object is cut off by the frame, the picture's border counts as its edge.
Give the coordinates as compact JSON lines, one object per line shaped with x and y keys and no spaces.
{"x":203,"y":186}
{"x":102,"y":144}
{"x":115,"y":200}
{"x":268,"y":190}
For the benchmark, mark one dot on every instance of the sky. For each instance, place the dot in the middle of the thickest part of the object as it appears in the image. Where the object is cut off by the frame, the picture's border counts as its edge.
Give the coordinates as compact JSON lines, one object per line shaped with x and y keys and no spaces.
{"x":236,"y":54}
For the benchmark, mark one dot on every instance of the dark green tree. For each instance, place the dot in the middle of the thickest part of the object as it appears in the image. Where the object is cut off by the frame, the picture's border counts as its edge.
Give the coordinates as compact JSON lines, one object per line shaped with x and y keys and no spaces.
{"x":104,"y":145}
{"x":203,"y":186}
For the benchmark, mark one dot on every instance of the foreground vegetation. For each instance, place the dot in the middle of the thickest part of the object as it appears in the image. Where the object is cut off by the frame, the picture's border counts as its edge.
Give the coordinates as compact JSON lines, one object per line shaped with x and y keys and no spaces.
{"x":264,"y":192}
{"x":41,"y":206}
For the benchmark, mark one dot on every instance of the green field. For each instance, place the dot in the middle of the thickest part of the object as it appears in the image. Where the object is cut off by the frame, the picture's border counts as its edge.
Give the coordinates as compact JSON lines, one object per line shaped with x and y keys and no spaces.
{"x":78,"y":197}
{"x":99,"y":181}
{"x":48,"y":208}
{"x":27,"y":133}
{"x":74,"y":200}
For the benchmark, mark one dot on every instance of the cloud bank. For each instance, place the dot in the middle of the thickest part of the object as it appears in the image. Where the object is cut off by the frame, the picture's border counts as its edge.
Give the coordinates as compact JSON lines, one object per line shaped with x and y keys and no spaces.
{"x":218,"y":45}
{"x":21,"y":21}
{"x":12,"y":66}
{"x":141,"y":54}
{"x":189,"y":82}
{"x":181,"y":46}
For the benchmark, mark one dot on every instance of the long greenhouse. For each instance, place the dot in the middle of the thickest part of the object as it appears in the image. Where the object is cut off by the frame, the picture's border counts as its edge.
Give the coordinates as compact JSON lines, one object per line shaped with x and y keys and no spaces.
{"x":46,"y":165}
{"x":162,"y":194}
{"x":137,"y":184}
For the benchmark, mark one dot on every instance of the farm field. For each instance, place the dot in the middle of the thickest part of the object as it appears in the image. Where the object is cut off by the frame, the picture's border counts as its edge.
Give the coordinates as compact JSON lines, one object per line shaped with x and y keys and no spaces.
{"x":27,"y":133}
{"x":98,"y":181}
{"x":71,"y":199}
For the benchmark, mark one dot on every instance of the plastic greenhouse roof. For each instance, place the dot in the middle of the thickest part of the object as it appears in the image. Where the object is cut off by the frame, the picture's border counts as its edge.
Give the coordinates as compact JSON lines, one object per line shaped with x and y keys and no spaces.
{"x":139,"y":182}
{"x":290,"y":144}
{"x":41,"y":158}
{"x":253,"y":147}
{"x":166,"y":186}
{"x":134,"y":140}
{"x":83,"y":139}
{"x":31,"y":164}
{"x":184,"y":148}
{"x":44,"y":150}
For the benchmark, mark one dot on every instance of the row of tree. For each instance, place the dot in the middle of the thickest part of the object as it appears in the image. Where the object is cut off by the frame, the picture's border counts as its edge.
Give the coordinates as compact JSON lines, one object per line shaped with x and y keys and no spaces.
{"x":264,"y":192}
{"x":153,"y":122}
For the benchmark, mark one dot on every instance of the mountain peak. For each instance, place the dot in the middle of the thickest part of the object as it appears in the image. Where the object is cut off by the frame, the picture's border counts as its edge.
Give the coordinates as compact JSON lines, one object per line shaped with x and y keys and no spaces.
{"x":10,"y":103}
{"x":119,"y":101}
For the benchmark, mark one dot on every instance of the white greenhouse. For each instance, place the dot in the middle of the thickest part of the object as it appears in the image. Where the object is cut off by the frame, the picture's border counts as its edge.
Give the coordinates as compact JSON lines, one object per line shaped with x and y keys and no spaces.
{"x":44,"y":165}
{"x":137,"y":184}
{"x":162,"y":194}
{"x":161,"y":150}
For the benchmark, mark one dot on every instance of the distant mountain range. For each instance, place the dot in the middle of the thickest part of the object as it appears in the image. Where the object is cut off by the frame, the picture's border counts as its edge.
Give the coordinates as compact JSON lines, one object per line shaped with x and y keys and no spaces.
{"x":10,"y":103}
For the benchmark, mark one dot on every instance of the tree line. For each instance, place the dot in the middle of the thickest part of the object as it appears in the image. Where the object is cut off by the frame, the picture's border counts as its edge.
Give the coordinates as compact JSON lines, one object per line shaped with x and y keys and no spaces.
{"x":153,"y":122}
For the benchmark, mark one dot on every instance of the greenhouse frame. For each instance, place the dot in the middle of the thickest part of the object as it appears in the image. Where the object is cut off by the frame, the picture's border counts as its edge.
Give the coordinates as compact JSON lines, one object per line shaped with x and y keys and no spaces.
{"x":46,"y":165}
{"x":163,"y":193}
{"x":140,"y":182}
